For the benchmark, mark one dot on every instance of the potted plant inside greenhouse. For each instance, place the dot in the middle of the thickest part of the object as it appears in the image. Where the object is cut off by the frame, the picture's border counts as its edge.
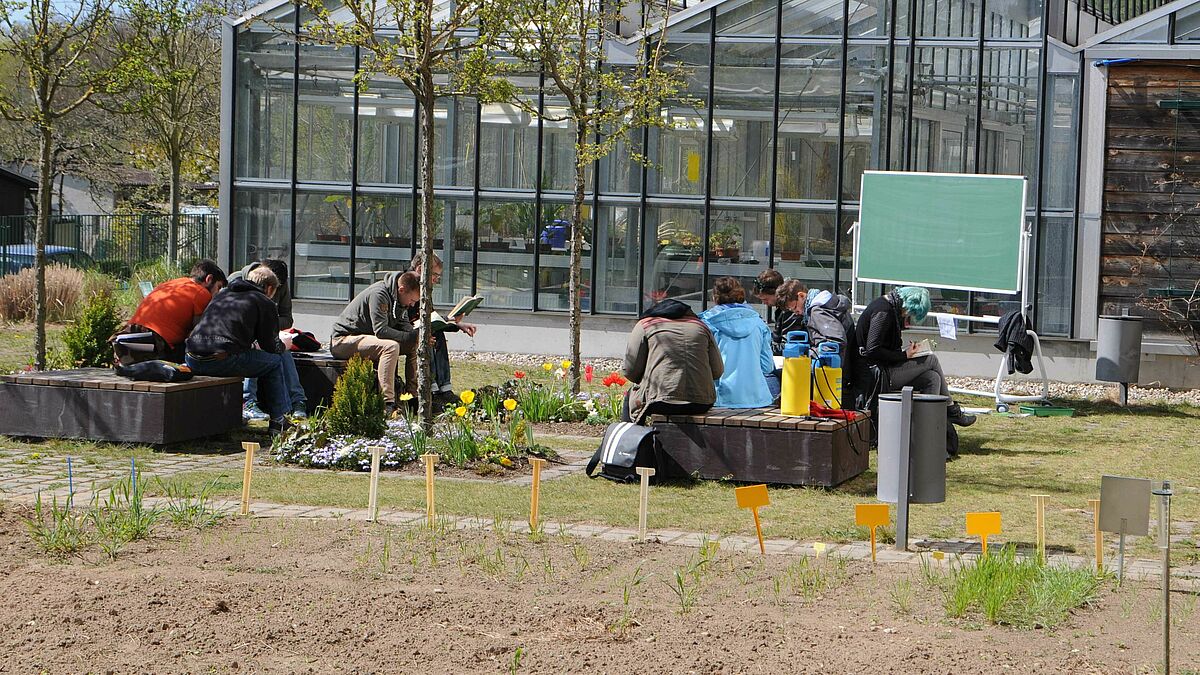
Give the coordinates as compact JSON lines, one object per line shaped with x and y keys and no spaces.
{"x":725,"y":244}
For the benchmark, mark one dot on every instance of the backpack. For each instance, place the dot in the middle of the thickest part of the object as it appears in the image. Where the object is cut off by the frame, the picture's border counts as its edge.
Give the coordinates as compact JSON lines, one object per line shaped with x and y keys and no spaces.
{"x":829,"y":322}
{"x":625,"y":447}
{"x":155,"y":371}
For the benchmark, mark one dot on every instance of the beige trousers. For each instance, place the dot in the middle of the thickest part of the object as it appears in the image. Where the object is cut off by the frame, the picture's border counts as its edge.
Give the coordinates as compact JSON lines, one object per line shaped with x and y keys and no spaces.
{"x":386,"y":355}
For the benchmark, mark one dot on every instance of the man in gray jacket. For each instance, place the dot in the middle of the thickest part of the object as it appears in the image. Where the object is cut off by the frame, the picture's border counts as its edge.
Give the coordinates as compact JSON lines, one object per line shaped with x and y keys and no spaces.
{"x":375,"y":324}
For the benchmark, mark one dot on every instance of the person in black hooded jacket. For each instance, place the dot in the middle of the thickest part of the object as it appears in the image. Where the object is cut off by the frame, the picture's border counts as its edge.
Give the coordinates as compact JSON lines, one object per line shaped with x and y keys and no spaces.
{"x":222,"y":343}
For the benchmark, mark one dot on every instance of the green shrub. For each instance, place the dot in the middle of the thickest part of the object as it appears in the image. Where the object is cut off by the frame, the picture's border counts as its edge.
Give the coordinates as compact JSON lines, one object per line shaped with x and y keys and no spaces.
{"x":86,"y":340}
{"x":357,"y":407}
{"x":114,"y":268}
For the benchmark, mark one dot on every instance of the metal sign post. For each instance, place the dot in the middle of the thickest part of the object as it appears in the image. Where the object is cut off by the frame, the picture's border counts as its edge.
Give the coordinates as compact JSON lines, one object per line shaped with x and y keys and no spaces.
{"x":906,"y":411}
{"x":1164,"y":542}
{"x":1124,"y":509}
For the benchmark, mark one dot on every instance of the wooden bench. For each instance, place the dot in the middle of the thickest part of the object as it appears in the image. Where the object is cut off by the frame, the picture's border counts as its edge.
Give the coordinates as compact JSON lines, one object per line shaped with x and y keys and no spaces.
{"x":98,"y":404}
{"x":762,"y":446}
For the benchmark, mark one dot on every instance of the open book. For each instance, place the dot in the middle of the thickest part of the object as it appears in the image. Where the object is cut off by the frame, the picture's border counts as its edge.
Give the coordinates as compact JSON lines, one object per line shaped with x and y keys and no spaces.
{"x":924,"y":348}
{"x":463,"y":308}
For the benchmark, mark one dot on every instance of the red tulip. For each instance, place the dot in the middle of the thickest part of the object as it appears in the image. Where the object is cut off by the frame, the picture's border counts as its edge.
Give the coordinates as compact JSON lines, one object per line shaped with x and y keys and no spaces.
{"x":520,"y":374}
{"x":587,"y":374}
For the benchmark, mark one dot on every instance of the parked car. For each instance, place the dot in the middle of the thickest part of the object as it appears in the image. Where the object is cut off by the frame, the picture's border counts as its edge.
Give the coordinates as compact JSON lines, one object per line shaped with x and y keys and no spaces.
{"x":16,"y":257}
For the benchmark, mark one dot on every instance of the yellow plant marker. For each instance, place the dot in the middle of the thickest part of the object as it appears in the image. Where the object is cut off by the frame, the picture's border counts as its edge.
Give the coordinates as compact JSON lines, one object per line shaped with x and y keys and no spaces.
{"x":938,"y":555}
{"x":247,"y":474}
{"x":1039,"y":503}
{"x":1094,"y":505}
{"x":533,"y":497}
{"x":373,"y":490}
{"x":643,"y":499}
{"x":983,"y":524}
{"x":430,"y":460}
{"x":754,"y":497}
{"x":819,"y":547}
{"x":872,"y":516}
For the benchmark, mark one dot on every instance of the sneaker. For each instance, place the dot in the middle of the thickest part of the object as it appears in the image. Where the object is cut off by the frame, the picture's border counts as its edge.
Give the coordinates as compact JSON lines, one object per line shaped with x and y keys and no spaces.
{"x":252,"y":413}
{"x":299,"y":413}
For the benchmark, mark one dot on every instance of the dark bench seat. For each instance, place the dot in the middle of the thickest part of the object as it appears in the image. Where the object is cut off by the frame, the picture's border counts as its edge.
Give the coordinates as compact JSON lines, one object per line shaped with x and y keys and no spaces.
{"x":97,"y":404}
{"x":762,"y":446}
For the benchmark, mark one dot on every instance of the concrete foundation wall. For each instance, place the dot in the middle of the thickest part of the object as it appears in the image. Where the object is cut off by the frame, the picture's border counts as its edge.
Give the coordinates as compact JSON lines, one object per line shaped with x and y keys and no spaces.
{"x":604,"y":337}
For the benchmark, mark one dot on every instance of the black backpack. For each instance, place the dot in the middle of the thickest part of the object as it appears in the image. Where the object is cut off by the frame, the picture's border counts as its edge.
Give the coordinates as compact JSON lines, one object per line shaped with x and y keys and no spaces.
{"x":625,"y":447}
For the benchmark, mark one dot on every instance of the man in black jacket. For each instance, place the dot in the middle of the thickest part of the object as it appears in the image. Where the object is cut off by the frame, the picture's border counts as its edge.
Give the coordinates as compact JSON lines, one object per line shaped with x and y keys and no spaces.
{"x":222,"y":343}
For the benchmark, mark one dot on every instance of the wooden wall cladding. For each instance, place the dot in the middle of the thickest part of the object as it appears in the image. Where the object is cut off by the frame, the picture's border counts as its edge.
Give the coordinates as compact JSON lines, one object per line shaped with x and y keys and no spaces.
{"x":1151,"y":227}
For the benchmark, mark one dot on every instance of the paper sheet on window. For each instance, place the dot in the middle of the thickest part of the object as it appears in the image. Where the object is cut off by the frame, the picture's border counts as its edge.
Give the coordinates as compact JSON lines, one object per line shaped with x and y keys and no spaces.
{"x":947,"y":327}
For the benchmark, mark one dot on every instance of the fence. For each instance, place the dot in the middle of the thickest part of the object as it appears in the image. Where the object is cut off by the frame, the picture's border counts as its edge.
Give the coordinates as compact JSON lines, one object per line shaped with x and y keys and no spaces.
{"x":112,"y":243}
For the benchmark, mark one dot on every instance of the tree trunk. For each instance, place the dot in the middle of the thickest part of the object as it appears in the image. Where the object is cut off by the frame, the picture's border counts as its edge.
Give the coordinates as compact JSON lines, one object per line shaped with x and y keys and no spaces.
{"x":576,"y":284}
{"x":45,"y":202}
{"x":173,"y":231}
{"x":424,"y":351}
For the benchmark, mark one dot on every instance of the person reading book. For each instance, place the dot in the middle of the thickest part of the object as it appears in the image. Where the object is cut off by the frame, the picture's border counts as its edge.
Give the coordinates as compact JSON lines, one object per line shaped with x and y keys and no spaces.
{"x":443,"y":392}
{"x":879,"y":332}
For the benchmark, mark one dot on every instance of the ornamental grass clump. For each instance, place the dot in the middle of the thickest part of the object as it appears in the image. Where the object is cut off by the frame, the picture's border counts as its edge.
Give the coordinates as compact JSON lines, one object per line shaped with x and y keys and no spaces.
{"x":357,"y":407}
{"x":1020,"y":592}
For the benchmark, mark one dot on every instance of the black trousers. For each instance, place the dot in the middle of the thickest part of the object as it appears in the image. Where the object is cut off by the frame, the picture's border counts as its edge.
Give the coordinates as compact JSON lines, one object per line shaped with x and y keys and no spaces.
{"x":661,"y":408}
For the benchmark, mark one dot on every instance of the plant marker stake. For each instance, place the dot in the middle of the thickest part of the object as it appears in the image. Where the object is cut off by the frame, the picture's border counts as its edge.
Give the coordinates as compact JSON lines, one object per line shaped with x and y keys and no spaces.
{"x":1121,"y":554}
{"x":872,"y":516}
{"x":70,"y":483}
{"x":535,"y":494}
{"x":1164,"y":542}
{"x":1094,"y":505}
{"x":1040,"y":504}
{"x":132,"y":474}
{"x":430,"y":460}
{"x":643,"y":499}
{"x":983,"y":524}
{"x":753,"y":497}
{"x":373,"y":491}
{"x":247,"y":474}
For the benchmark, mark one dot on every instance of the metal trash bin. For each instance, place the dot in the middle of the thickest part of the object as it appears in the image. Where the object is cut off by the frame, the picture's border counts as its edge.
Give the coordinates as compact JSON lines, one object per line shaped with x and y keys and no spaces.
{"x":927,"y":449}
{"x":1119,"y":348}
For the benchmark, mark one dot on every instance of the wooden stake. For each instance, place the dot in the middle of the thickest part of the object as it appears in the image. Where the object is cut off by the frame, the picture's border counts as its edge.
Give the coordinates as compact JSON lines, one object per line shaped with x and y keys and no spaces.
{"x":430,"y":460}
{"x":373,"y":491}
{"x":537,"y":465}
{"x":1094,"y":505}
{"x":1040,"y":504}
{"x":247,"y":474}
{"x":643,"y":499}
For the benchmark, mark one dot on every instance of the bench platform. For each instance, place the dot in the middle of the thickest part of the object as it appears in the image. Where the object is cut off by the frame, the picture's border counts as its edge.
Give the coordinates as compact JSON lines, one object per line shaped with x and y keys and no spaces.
{"x":97,"y":404}
{"x":318,"y":374}
{"x":760,"y":445}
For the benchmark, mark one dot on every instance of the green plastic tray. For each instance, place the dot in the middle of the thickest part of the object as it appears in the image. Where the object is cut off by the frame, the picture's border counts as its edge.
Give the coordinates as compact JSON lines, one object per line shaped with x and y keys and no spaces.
{"x":1047,"y":411}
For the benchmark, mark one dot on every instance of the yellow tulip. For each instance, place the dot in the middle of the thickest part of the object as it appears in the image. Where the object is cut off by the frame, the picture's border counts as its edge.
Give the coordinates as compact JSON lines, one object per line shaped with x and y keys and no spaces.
{"x":510,"y":404}
{"x":566,"y":365}
{"x":406,"y":396}
{"x":460,"y":411}
{"x":504,"y":461}
{"x":547,"y":367}
{"x":467,"y":397}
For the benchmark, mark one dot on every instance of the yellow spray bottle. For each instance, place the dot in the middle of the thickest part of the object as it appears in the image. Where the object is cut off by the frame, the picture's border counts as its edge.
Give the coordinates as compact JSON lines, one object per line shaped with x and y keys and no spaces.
{"x":797,"y":375}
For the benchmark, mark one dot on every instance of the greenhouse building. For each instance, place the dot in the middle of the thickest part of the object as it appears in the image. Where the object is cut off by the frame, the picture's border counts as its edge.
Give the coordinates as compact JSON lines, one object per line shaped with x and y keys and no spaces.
{"x":759,"y":164}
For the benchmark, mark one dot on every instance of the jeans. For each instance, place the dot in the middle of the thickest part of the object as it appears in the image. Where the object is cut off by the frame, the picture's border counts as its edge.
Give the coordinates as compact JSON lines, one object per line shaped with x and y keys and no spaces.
{"x":775,"y":384}
{"x":255,"y":363}
{"x":291,"y":381}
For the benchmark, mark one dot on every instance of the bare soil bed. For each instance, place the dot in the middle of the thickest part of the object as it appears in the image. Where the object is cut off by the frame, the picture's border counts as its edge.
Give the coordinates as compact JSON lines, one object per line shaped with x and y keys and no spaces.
{"x":329,"y":596}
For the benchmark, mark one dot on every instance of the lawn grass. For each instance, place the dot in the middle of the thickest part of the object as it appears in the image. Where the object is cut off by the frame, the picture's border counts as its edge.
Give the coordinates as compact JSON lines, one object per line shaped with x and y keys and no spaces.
{"x":1004,"y":461}
{"x":16,"y":344}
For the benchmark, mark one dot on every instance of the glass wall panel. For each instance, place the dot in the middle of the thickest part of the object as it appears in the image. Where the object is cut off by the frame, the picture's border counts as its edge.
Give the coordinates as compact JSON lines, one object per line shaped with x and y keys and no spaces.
{"x":1055,"y":275}
{"x":507,"y":237}
{"x":386,"y":132}
{"x":743,"y":102}
{"x":323,"y":246}
{"x":899,"y":107}
{"x":804,"y":241}
{"x":619,"y":172}
{"x":944,"y":109}
{"x":454,"y":135}
{"x":262,"y":225}
{"x":1187,"y":25}
{"x":558,"y":148}
{"x":680,"y":147}
{"x":1014,"y":19}
{"x":554,"y":262}
{"x":385,"y":229}
{"x":453,"y":240}
{"x":870,"y":18}
{"x":1010,"y":94}
{"x":325,"y":119}
{"x":946,"y":18}
{"x":618,"y":229}
{"x":263,"y":116}
{"x":746,"y":17}
{"x":866,"y":100}
{"x":508,"y":141}
{"x":1061,"y":155}
{"x":809,"y":105}
{"x":674,"y":257}
{"x":738,"y":244}
{"x":807,"y":18}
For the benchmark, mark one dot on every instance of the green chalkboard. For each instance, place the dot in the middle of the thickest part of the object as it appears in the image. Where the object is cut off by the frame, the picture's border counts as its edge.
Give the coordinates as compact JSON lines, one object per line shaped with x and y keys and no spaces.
{"x":960,"y":231}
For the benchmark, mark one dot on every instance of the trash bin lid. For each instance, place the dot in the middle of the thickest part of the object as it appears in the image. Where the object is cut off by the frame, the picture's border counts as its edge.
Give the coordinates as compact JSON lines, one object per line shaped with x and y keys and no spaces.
{"x":1120,"y":317}
{"x":917,"y":398}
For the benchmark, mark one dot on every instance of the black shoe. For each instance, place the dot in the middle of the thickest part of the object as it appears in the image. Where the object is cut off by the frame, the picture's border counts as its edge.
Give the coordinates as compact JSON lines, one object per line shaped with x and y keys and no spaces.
{"x":957,"y":417}
{"x":442,"y":399}
{"x":278,"y":426}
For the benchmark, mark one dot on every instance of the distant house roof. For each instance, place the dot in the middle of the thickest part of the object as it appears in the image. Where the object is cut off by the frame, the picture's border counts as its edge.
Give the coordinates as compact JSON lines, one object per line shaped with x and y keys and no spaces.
{"x":14,"y":177}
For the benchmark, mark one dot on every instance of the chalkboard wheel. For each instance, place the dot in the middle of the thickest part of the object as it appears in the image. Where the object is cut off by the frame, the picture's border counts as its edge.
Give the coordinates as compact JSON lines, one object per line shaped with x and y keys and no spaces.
{"x":1000,"y":407}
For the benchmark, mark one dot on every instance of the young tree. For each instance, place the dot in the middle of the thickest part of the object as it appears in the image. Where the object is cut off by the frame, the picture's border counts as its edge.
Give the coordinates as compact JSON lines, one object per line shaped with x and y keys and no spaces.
{"x":174,"y":76}
{"x":56,"y":48}
{"x":437,"y":50}
{"x":567,"y":40}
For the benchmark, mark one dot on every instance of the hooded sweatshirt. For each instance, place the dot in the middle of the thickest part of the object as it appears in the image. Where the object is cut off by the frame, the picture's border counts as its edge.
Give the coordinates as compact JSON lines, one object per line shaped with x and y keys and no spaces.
{"x":376,"y":311}
{"x":745,"y":344}
{"x":234,"y":321}
{"x":282,"y":299}
{"x":671,"y":358}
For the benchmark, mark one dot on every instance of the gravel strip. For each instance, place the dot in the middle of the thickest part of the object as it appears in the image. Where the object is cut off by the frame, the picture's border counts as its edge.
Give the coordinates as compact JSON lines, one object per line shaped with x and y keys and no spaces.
{"x":532,"y":360}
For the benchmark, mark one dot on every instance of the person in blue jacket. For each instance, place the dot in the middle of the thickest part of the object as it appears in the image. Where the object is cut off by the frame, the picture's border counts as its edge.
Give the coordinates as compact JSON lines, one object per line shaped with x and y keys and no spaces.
{"x":745,"y":344}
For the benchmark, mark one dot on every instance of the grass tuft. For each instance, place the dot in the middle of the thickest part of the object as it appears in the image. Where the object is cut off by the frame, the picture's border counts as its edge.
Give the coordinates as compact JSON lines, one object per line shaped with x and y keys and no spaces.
{"x":1021,"y":592}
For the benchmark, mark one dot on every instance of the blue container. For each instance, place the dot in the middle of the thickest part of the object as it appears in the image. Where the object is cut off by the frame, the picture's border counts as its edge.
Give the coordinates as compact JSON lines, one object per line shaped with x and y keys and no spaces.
{"x":829,"y":355}
{"x":796,"y":344}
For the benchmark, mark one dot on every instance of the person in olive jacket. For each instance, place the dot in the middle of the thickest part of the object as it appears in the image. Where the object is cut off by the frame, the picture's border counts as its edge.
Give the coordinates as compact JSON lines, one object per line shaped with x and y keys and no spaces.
{"x":673,"y":361}
{"x":376,"y":325}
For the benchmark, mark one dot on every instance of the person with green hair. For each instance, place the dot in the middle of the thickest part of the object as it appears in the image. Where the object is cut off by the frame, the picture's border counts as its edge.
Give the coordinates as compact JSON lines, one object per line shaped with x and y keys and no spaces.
{"x":880,"y":343}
